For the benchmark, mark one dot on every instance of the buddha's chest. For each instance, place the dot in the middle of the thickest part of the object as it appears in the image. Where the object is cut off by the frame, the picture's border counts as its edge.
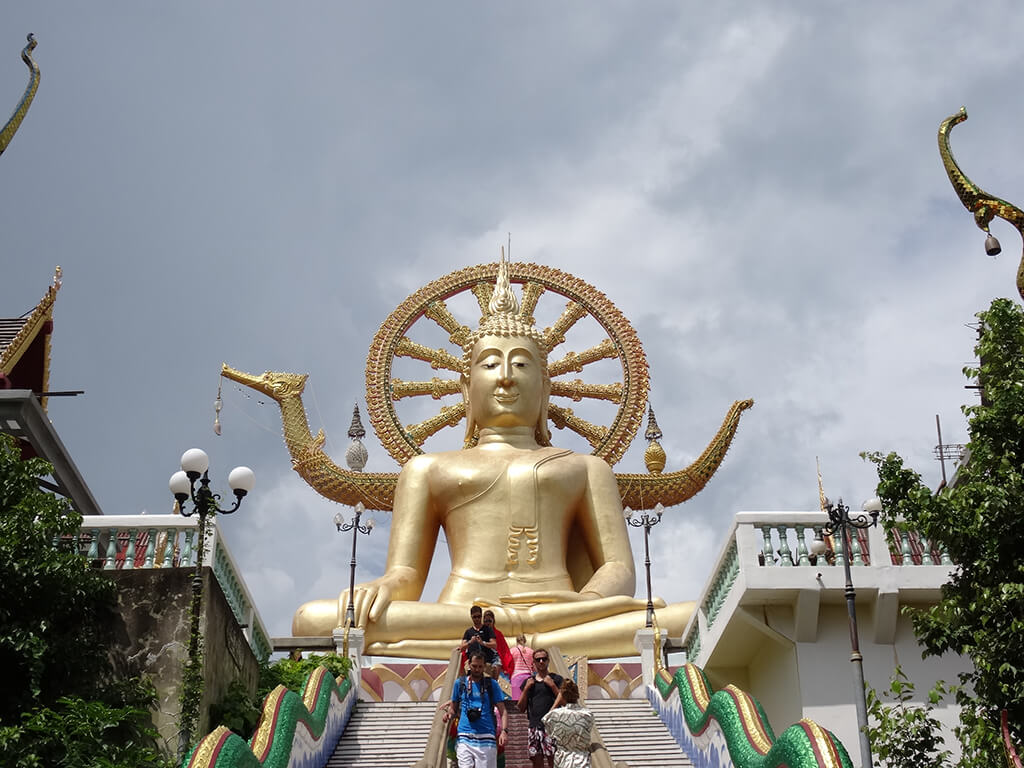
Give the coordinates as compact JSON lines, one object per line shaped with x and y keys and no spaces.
{"x":514,"y":487}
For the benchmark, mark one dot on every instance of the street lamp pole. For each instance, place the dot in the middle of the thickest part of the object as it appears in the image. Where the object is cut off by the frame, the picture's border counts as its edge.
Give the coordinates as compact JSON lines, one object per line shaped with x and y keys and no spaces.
{"x":840,"y":522}
{"x":356,"y":528}
{"x":646,"y":521}
{"x":194,"y":466}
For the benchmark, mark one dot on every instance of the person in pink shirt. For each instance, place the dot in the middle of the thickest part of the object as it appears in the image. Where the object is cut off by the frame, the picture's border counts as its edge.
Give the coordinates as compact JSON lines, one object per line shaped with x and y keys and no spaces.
{"x":522,"y":666}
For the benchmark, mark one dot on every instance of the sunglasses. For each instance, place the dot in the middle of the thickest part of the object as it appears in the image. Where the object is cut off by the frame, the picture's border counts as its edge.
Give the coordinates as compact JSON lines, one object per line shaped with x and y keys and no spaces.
{"x":540,"y":658}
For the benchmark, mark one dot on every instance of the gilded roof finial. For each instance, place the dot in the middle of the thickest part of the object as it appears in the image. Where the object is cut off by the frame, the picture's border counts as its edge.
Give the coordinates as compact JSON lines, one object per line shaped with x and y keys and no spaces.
{"x":653,"y":431}
{"x":356,"y":429}
{"x":356,"y":454}
{"x":654,"y":455}
{"x":26,"y":100}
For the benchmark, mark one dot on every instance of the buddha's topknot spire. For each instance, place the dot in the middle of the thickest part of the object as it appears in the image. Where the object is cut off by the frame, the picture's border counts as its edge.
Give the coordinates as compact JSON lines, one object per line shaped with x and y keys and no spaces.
{"x":503,"y":300}
{"x":503,"y":317}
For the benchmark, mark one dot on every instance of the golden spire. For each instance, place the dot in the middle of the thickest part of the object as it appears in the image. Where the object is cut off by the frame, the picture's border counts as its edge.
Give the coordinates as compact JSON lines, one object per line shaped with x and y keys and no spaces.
{"x":654,"y":456}
{"x":504,"y":318}
{"x":822,"y":500}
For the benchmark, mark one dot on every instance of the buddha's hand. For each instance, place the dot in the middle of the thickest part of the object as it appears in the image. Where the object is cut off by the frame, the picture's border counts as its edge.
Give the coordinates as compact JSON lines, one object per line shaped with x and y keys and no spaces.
{"x":371,"y":599}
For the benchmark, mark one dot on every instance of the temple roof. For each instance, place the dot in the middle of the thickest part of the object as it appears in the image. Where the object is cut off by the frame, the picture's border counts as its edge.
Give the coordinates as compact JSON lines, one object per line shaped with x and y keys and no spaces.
{"x":24,"y":375}
{"x":25,"y":345}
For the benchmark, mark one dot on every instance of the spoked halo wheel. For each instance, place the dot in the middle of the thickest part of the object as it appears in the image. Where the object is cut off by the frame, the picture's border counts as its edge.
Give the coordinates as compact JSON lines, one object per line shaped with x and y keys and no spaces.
{"x":430,"y":304}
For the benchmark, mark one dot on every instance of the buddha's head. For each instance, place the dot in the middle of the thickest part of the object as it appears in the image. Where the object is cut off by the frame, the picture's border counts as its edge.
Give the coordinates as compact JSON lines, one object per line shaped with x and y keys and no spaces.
{"x":505,"y":379}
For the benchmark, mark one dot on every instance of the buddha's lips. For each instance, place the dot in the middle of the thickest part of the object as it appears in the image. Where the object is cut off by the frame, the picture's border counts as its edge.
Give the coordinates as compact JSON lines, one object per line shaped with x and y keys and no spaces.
{"x":506,"y":398}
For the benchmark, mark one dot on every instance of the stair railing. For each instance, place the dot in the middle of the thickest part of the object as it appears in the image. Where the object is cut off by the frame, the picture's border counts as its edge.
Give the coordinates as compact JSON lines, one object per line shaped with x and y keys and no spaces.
{"x":435,"y":754}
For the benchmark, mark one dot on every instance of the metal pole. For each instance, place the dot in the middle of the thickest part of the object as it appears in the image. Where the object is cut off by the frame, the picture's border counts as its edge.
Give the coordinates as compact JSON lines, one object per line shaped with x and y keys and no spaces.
{"x":350,"y":614}
{"x":855,"y":657}
{"x":200,"y":501}
{"x":647,"y":563}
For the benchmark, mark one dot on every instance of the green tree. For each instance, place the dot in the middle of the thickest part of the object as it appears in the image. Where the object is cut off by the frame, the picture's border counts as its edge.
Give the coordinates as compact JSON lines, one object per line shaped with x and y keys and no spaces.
{"x":241,"y":712}
{"x":60,"y":701}
{"x":905,"y":734}
{"x":979,"y":521}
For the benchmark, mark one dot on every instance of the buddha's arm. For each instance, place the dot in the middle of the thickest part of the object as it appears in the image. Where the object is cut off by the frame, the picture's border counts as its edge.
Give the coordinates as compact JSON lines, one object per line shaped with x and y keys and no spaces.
{"x":605,"y":534}
{"x":414,"y":527}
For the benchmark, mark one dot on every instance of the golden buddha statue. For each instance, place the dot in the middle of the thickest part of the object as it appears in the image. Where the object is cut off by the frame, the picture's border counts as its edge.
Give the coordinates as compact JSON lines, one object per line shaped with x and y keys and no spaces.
{"x":534,"y":532}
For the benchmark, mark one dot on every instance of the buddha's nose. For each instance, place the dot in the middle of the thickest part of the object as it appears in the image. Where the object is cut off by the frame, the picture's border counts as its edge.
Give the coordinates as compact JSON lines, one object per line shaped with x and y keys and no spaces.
{"x":505,"y":379}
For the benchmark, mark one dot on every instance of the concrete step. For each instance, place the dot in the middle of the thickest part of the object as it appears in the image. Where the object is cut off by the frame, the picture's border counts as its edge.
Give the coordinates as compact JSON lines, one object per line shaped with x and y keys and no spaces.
{"x":384,"y":735}
{"x":633,"y":733}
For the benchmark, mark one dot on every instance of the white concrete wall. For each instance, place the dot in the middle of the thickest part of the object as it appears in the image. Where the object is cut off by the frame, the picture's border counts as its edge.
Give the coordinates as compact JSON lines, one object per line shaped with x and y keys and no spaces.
{"x":826,"y":673}
{"x":773,"y":682}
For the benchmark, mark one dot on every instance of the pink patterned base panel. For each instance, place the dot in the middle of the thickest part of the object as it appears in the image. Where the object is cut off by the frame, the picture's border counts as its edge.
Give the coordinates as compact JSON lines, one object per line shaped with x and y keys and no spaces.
{"x":422,"y":682}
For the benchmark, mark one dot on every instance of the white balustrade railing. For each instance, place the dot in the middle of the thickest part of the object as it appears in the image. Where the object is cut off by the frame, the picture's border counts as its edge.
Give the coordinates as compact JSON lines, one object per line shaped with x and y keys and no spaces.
{"x":761,"y":540}
{"x":127,"y":542}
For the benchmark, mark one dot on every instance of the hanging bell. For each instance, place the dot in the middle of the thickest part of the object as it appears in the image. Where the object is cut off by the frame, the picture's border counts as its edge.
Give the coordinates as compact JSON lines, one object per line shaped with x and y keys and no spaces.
{"x":992,"y":247}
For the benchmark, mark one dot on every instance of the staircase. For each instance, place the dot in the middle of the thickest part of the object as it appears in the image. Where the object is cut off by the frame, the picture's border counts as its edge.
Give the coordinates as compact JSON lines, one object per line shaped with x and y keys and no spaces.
{"x":633,"y":733}
{"x":384,"y":735}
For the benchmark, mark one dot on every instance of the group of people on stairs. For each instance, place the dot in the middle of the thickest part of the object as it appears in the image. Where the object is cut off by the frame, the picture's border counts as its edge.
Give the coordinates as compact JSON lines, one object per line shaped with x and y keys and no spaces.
{"x":559,"y":726}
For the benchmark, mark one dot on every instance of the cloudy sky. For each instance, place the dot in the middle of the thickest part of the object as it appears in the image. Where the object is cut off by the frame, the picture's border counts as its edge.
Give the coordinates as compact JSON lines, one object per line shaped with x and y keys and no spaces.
{"x":758,"y":191}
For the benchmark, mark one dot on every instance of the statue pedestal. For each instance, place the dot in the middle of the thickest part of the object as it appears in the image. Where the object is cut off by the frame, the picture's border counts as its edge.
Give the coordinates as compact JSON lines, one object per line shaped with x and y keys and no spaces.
{"x":356,"y":644}
{"x":648,"y":643}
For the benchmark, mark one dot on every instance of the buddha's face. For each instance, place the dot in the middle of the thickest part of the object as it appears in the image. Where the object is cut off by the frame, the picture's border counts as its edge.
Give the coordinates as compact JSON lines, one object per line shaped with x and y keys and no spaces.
{"x":507,"y":386}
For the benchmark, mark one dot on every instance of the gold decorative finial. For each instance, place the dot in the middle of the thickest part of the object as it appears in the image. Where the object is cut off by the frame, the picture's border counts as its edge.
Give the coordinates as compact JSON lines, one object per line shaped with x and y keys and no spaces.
{"x":58,"y":277}
{"x":503,"y":300}
{"x":356,"y":454}
{"x":654,"y":455}
{"x":822,"y":499}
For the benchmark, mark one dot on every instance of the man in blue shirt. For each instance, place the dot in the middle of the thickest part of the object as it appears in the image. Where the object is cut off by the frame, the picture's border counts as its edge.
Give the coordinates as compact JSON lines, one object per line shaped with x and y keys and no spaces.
{"x":474,"y":698}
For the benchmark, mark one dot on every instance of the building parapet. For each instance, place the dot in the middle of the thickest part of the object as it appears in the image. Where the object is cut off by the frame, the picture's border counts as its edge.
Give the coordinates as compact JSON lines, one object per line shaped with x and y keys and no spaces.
{"x":126,"y":542}
{"x":767,"y":558}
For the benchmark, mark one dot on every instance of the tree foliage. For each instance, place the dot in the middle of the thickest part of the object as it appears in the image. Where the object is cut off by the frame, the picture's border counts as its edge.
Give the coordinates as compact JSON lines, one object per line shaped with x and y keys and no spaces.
{"x":292,"y":674}
{"x":241,"y":712}
{"x":60,"y":702}
{"x":906,"y":735}
{"x":979,"y":521}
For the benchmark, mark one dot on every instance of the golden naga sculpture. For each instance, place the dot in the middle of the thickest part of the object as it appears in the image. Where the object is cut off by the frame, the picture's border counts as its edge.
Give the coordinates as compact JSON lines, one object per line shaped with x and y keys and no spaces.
{"x":26,"y":100}
{"x":984,"y":206}
{"x":534,"y":531}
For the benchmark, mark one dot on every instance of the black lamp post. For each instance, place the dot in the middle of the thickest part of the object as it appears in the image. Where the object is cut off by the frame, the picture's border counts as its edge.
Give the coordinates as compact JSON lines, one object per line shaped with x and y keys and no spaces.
{"x":646,"y":521}
{"x":355,"y":527}
{"x":839,"y":522}
{"x":194,"y":466}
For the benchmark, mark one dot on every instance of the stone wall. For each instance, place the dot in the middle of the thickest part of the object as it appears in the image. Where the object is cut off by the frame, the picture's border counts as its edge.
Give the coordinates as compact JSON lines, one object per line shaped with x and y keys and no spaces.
{"x":152,"y":640}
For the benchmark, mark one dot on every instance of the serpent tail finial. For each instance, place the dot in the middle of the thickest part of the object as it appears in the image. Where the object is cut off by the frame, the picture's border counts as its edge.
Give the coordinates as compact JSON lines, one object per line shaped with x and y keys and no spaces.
{"x":984,"y":206}
{"x":26,"y":100}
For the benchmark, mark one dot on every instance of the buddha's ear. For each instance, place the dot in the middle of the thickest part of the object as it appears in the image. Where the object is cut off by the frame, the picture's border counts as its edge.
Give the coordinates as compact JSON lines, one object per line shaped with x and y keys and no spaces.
{"x":543,"y":434}
{"x":470,"y":422}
